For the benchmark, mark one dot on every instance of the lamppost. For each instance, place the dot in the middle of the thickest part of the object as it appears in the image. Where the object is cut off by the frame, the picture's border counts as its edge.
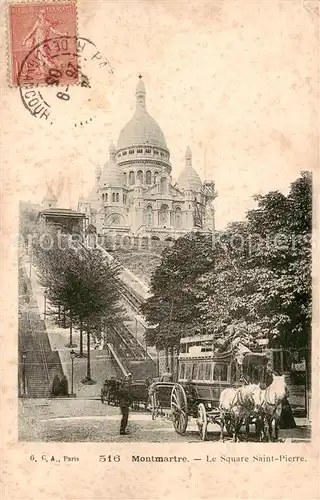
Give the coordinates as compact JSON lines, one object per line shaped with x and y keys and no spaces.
{"x":24,"y":382}
{"x":45,"y":304}
{"x":30,"y":262}
{"x":72,"y":356}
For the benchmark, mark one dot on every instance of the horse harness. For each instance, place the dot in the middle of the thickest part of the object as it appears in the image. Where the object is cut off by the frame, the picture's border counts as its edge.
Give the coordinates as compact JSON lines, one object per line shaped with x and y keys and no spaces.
{"x":238,"y":399}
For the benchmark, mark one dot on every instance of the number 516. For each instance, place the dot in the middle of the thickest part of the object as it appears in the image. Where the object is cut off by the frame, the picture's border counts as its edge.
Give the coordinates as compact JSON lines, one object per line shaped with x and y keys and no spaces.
{"x":109,"y":458}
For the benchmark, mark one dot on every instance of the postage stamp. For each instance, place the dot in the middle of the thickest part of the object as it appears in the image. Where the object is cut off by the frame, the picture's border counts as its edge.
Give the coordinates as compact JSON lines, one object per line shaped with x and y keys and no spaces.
{"x":80,"y":62}
{"x":47,"y":31}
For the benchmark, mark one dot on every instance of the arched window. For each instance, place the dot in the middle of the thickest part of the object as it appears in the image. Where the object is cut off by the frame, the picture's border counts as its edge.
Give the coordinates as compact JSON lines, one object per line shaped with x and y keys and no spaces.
{"x":163,"y":185}
{"x":131,"y":178}
{"x":117,"y":197}
{"x":148,"y":216}
{"x":155,"y":176}
{"x":113,"y":197}
{"x":148,"y":177}
{"x":125,"y":178}
{"x":155,"y":241}
{"x":164,"y":215}
{"x":140,"y":176}
{"x":178,"y":218}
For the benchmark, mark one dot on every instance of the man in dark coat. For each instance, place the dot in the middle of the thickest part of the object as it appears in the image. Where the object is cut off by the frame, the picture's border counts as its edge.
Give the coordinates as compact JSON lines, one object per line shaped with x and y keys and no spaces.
{"x":125,"y":400}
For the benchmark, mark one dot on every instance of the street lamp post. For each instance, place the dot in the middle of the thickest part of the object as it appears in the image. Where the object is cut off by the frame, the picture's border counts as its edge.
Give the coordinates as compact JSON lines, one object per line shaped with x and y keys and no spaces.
{"x":72,"y":356}
{"x":45,"y":304}
{"x":30,"y":262}
{"x":24,"y":382}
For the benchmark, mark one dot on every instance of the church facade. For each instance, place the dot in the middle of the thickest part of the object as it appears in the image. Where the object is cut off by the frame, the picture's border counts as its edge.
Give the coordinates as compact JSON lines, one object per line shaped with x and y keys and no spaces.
{"x":134,"y":195}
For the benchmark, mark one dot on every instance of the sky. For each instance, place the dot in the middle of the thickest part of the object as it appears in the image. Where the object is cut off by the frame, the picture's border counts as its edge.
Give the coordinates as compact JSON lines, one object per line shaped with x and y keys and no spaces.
{"x":234,"y":80}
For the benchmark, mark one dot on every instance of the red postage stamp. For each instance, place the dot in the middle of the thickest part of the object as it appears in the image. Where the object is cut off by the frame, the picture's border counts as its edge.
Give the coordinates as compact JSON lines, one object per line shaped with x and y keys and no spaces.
{"x":43,"y":43}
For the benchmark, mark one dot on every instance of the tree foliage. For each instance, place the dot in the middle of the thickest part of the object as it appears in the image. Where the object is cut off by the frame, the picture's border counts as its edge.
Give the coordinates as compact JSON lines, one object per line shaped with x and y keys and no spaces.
{"x":254,"y":275}
{"x":77,"y":279}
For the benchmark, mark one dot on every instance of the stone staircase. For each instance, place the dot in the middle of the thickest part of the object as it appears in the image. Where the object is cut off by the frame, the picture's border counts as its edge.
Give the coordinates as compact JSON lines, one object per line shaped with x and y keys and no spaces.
{"x":37,"y":362}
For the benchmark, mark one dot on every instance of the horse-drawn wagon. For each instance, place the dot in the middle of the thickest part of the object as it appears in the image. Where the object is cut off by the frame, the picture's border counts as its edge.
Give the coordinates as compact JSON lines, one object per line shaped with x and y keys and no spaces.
{"x":203,"y":375}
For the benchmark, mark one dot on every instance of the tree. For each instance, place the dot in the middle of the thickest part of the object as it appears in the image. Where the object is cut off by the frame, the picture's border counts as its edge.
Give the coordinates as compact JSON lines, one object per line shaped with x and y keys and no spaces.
{"x":255,"y":275}
{"x":82,"y":282}
{"x":28,"y":220}
{"x":172,"y":305}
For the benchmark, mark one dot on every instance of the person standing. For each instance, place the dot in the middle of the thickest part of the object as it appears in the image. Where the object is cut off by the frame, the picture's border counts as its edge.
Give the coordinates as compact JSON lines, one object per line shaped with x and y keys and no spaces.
{"x":167,"y":376}
{"x":125,"y":400}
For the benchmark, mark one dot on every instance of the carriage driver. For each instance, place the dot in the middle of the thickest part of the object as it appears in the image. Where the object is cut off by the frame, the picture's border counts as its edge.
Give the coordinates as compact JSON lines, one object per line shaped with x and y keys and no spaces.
{"x":125,"y":400}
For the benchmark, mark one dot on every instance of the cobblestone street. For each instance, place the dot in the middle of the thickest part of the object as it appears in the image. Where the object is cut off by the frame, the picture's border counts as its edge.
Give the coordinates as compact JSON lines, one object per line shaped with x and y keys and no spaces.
{"x":88,"y":420}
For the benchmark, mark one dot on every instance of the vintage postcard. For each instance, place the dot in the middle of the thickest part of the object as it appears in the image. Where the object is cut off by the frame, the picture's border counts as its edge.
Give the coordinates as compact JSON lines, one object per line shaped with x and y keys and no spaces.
{"x":159,"y":244}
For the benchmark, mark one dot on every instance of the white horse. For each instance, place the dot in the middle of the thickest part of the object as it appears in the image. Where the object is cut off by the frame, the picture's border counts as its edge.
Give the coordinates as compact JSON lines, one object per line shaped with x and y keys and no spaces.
{"x":272,"y":399}
{"x":236,"y":407}
{"x":225,"y":406}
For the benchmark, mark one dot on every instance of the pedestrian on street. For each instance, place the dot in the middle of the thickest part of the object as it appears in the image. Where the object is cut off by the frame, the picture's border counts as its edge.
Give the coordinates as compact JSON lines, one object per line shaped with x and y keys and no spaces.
{"x":125,"y":400}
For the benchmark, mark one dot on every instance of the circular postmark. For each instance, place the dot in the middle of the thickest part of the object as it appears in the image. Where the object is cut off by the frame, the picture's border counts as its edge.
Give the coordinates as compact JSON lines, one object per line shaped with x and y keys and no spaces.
{"x":56,"y":78}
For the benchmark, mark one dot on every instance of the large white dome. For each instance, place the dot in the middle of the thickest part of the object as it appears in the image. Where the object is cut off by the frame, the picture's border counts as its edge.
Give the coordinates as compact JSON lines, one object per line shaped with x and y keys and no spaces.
{"x":142,"y":129}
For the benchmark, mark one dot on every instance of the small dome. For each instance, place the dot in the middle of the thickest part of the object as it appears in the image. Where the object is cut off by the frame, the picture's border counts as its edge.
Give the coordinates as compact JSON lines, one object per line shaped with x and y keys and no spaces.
{"x":111,"y":175}
{"x":189,"y":178}
{"x":142,"y":129}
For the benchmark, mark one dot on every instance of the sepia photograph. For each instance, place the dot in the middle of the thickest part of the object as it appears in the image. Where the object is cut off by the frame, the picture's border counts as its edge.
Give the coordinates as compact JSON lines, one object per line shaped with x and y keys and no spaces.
{"x":164,"y":158}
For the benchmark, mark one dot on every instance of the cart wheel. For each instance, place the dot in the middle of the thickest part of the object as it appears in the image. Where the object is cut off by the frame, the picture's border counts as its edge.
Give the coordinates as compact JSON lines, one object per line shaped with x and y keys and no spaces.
{"x":179,"y":409}
{"x":202,"y":421}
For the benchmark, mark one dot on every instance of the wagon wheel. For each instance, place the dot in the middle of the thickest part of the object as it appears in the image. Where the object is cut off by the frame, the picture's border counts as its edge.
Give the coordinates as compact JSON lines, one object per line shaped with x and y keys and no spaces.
{"x":202,"y":421}
{"x":179,"y":409}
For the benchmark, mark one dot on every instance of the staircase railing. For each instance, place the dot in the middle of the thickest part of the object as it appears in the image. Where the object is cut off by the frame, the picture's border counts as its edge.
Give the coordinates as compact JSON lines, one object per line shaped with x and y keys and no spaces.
{"x":124,"y":370}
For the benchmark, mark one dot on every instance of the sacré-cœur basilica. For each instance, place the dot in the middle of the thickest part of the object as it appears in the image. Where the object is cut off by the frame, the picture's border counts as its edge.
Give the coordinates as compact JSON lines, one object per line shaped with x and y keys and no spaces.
{"x":134,"y":195}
